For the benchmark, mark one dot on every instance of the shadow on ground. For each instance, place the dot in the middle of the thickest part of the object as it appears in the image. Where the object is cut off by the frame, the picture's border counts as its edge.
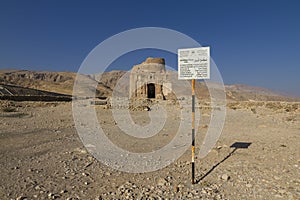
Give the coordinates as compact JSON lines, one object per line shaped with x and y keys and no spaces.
{"x":235,"y":146}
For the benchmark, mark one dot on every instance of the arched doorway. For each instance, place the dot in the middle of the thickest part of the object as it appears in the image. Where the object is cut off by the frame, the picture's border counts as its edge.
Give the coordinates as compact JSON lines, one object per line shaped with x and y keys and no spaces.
{"x":151,"y":90}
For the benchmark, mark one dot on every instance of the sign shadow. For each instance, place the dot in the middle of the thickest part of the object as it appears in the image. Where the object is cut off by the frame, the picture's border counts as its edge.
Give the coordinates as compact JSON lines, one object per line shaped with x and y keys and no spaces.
{"x":235,"y":146}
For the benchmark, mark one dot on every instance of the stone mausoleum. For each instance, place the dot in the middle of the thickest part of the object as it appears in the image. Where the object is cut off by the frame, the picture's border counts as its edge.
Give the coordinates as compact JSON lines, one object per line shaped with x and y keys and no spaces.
{"x":150,"y":80}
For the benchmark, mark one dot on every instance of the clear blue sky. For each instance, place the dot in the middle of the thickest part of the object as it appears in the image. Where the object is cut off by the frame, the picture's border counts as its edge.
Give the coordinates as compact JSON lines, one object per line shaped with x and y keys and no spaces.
{"x":252,"y":42}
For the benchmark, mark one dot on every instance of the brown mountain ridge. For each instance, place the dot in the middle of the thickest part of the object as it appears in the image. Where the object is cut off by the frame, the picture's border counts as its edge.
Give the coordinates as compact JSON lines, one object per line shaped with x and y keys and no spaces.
{"x":62,"y":83}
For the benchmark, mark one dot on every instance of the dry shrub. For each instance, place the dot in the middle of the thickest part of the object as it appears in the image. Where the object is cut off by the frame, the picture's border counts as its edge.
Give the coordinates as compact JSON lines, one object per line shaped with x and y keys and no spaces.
{"x":253,"y":110}
{"x":291,"y":118}
{"x":8,"y":109}
{"x":233,"y":106}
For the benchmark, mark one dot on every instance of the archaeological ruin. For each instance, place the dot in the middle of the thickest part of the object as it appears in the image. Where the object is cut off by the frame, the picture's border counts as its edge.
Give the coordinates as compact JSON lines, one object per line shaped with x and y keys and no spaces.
{"x":150,"y":80}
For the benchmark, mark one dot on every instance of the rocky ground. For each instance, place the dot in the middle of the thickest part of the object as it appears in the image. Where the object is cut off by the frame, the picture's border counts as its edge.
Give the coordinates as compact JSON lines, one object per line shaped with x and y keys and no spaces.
{"x":42,"y":156}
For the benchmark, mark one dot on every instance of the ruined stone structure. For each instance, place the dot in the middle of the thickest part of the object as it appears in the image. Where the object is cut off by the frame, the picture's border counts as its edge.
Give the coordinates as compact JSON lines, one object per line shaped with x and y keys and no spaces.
{"x":150,"y":80}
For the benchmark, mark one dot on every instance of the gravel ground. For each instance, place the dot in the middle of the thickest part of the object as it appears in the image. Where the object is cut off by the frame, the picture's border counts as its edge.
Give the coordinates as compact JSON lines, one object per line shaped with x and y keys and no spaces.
{"x":42,"y":156}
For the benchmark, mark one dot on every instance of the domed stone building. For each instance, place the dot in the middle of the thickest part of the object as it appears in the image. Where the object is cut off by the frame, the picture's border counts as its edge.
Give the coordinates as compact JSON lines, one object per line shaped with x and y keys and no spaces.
{"x":150,"y":80}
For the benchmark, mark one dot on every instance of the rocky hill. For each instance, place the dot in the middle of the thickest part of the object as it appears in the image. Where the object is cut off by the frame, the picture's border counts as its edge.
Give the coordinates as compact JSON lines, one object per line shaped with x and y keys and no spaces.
{"x":62,"y":83}
{"x":58,"y":82}
{"x":247,"y":93}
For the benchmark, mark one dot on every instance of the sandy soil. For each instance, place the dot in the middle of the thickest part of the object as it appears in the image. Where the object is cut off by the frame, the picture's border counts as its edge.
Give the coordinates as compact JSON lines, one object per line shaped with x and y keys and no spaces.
{"x":42,"y":156}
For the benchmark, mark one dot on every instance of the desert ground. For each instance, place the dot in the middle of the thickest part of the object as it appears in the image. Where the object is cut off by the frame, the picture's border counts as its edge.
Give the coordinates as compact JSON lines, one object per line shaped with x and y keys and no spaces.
{"x":42,"y":156}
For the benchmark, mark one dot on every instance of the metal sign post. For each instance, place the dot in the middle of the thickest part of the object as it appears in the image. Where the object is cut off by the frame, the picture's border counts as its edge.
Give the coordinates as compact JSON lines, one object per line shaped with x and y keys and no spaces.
{"x":193,"y":131}
{"x":193,"y":63}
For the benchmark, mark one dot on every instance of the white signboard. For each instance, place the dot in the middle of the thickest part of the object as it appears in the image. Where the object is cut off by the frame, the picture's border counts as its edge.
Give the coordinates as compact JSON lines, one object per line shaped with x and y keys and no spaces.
{"x":194,"y":63}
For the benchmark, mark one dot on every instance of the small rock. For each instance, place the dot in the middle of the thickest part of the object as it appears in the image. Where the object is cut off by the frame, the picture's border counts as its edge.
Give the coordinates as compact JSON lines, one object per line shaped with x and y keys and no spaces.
{"x":53,"y":196}
{"x":63,"y":191}
{"x":190,"y":195}
{"x":20,"y":198}
{"x":146,"y":108}
{"x":161,"y":182}
{"x":50,"y":195}
{"x":225,"y":177}
{"x":99,"y":198}
{"x":37,"y":187}
{"x":205,"y":126}
{"x":281,"y":191}
{"x":248,"y":185}
{"x":84,"y":174}
{"x":276,"y":178}
{"x":176,"y":189}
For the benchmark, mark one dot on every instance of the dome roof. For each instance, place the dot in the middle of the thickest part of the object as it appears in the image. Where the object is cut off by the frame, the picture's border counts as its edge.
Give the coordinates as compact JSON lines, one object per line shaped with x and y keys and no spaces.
{"x":151,"y":65}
